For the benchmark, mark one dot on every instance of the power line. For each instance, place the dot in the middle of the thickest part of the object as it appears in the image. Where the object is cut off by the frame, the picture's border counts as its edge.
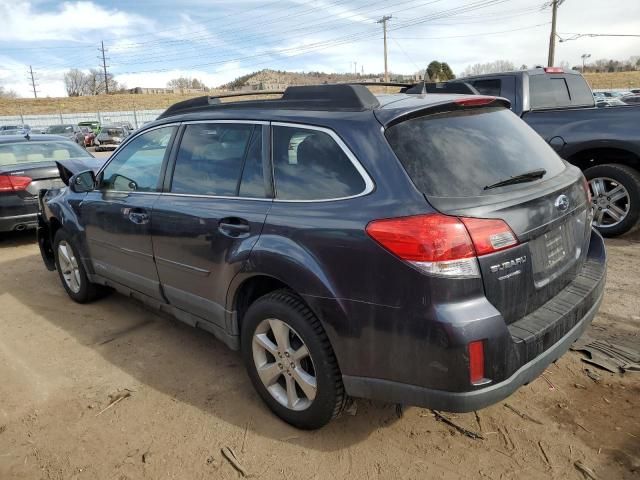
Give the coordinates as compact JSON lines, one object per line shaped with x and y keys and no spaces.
{"x":33,"y":82}
{"x":575,"y":36}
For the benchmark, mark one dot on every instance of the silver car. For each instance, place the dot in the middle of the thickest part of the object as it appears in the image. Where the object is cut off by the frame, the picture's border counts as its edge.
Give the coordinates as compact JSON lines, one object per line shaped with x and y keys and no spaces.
{"x":110,"y":137}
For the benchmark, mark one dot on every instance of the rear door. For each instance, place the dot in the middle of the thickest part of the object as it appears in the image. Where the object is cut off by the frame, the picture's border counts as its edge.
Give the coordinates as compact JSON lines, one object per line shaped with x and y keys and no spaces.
{"x":456,"y":159}
{"x":117,"y":216}
{"x":217,"y":196}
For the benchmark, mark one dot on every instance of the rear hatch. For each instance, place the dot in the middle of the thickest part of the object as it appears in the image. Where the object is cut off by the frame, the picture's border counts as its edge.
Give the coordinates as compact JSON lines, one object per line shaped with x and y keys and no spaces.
{"x":466,"y":159}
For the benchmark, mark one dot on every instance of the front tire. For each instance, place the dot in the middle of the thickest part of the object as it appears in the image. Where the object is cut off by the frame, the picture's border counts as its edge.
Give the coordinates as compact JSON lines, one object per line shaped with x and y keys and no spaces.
{"x":71,"y":270}
{"x":290,"y":361}
{"x":615,"y":191}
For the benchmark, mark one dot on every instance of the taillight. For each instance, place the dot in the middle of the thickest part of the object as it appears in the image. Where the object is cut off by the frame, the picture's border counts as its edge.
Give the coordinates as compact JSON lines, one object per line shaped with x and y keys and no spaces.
{"x":553,"y":70}
{"x":476,"y":362}
{"x":489,"y":235}
{"x":442,"y":245}
{"x":475,"y":101}
{"x":13,"y":183}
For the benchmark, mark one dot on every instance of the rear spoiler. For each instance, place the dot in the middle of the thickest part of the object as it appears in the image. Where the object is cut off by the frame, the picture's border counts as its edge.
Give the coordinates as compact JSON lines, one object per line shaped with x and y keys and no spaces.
{"x":391,"y":116}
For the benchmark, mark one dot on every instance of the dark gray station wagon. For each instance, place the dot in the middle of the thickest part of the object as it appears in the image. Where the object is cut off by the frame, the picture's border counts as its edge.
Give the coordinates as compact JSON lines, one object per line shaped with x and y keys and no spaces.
{"x":427,"y":250}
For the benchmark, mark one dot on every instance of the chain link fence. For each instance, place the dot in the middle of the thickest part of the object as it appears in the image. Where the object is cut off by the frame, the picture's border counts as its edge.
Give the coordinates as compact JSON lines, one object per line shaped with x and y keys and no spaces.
{"x":137,"y":118}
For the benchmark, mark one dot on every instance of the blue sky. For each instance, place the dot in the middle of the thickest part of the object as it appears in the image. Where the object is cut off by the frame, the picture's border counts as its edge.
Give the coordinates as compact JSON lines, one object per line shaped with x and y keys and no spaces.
{"x":150,"y":42}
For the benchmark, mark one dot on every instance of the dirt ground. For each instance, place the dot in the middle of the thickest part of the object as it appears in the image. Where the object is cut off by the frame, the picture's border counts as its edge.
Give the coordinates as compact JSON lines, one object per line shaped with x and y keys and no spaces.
{"x":61,"y":365}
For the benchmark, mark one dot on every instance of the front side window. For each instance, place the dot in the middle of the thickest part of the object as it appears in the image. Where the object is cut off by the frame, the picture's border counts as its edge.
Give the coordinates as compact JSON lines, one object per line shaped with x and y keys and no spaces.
{"x":310,"y":165}
{"x":137,"y":167}
{"x":220,"y":159}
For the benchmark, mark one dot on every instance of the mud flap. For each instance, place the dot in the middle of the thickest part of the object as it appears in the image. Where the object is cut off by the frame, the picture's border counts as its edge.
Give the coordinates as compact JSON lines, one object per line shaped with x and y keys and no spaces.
{"x":43,"y":234}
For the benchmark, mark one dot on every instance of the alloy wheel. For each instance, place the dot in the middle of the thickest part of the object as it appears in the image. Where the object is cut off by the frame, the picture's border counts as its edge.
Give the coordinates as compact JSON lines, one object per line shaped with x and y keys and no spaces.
{"x":284,"y":364}
{"x":610,"y":201}
{"x":69,"y":266}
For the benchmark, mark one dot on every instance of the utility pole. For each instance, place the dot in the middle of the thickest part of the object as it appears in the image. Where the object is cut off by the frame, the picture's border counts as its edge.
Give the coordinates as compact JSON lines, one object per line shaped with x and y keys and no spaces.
{"x":552,"y":40}
{"x":584,"y":57}
{"x":355,"y":68}
{"x":104,"y":66}
{"x":384,"y":21}
{"x":33,"y":82}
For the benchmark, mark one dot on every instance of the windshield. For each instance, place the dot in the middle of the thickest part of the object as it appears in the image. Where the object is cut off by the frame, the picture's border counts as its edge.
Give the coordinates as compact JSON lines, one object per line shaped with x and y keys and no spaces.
{"x":60,"y":129}
{"x":113,"y":132}
{"x":458,"y":154}
{"x":32,"y":152}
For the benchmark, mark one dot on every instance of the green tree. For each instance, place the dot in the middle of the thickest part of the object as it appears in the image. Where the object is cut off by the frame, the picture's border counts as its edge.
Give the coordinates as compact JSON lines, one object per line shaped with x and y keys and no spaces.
{"x":447,"y":73}
{"x":434,"y":70}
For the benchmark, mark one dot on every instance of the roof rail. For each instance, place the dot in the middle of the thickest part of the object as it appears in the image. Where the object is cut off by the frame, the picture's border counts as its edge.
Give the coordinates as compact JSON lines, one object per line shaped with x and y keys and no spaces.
{"x":341,"y":96}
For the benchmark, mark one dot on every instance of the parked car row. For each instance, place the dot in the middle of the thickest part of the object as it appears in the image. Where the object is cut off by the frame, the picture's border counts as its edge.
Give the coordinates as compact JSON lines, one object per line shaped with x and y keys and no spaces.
{"x":84,"y":133}
{"x":617,"y":98}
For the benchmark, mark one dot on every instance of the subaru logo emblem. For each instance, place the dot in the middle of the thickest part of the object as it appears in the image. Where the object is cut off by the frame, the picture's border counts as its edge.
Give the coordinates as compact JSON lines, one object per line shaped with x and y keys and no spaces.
{"x":562,"y":203}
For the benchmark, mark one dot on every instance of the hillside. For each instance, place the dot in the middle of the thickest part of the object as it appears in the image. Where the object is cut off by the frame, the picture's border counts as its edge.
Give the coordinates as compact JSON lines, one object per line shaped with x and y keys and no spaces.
{"x":263,"y":80}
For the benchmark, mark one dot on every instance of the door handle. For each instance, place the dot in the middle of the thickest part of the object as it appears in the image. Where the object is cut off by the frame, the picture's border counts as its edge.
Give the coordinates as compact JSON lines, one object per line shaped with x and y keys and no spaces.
{"x":139,"y":217}
{"x":234,"y":227}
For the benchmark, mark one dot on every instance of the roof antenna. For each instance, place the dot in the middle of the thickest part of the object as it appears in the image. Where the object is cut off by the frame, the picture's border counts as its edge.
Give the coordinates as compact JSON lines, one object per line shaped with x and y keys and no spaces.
{"x":424,"y":83}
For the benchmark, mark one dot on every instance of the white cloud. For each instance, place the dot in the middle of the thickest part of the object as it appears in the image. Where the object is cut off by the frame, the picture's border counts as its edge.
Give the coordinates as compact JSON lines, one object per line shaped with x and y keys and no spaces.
{"x":22,"y":21}
{"x":148,"y":47}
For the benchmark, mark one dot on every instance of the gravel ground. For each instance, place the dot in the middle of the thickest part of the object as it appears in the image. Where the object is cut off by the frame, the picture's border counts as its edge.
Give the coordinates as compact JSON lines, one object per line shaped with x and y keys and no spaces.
{"x":182,"y":397}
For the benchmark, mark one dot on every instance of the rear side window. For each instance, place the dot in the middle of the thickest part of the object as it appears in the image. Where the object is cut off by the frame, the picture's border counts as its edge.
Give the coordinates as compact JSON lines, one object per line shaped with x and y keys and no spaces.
{"x":213,"y":158}
{"x":458,"y":154}
{"x":309,"y":165}
{"x":488,"y":87}
{"x":548,"y":91}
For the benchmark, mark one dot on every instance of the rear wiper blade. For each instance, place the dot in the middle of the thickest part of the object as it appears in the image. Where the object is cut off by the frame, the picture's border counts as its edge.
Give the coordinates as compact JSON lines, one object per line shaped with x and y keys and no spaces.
{"x":522,"y":178}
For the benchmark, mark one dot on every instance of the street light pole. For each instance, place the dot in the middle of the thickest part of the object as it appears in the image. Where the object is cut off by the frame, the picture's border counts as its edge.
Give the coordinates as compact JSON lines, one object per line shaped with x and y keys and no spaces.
{"x":584,"y":58}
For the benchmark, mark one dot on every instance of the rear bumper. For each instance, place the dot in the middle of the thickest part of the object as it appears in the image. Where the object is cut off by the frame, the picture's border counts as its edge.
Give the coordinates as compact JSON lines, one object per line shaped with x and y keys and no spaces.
{"x":467,"y":401}
{"x":18,"y":222}
{"x":533,"y":343}
{"x":17,"y":212}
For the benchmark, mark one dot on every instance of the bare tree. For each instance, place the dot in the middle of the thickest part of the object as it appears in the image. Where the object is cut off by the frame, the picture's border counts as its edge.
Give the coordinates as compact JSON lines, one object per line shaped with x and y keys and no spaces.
{"x":95,"y":83}
{"x":4,"y":93}
{"x":185,"y":83}
{"x":491,"y":67}
{"x":74,"y":82}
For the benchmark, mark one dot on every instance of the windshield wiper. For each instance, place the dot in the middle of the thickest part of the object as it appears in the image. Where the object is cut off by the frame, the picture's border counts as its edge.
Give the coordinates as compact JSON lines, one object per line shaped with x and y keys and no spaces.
{"x":522,"y":178}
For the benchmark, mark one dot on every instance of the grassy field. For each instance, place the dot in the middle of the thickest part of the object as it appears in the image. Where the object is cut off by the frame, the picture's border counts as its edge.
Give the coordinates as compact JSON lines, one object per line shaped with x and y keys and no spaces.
{"x":112,"y":103}
{"x":614,"y":80}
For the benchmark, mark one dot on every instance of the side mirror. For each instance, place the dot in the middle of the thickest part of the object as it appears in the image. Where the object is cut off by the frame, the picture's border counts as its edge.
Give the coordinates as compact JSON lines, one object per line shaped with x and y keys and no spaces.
{"x":83,"y":182}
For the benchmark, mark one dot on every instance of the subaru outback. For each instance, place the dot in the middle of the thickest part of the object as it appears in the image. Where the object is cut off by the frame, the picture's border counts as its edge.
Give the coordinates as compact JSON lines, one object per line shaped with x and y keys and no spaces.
{"x":427,"y":250}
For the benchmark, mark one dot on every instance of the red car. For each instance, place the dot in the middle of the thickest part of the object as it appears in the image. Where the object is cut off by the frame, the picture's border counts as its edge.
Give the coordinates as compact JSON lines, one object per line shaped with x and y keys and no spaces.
{"x":89,"y":136}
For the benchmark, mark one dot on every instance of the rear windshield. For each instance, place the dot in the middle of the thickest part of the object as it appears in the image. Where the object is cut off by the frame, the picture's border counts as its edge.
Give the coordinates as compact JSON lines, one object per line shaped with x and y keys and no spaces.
{"x":33,"y":152}
{"x":458,"y":154}
{"x":60,"y":129}
{"x":552,"y":91}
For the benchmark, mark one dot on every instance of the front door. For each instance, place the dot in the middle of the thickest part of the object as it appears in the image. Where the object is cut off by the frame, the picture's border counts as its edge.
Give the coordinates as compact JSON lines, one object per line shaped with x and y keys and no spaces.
{"x":211,"y":214}
{"x":117,"y":216}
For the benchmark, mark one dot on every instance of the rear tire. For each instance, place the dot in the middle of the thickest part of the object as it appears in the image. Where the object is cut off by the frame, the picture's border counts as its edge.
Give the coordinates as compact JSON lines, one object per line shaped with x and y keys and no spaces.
{"x":71,"y":270}
{"x":603,"y":179}
{"x":299,"y":378}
